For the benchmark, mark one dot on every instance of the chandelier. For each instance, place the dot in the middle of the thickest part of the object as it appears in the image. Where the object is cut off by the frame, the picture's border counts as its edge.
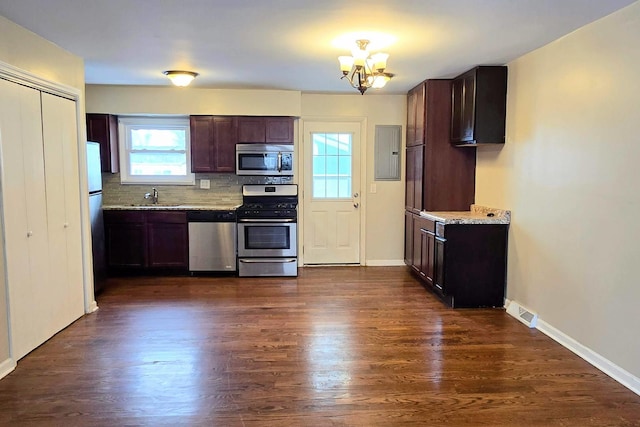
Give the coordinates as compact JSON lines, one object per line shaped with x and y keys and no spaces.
{"x":363,"y":70}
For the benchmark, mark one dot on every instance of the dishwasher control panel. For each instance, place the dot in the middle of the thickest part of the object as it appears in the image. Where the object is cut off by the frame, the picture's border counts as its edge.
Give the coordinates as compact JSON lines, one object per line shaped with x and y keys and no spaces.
{"x":211,"y":216}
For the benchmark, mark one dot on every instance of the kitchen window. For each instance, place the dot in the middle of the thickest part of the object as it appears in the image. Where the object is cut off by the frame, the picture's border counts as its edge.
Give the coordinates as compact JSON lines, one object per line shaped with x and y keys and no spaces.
{"x":155,"y":150}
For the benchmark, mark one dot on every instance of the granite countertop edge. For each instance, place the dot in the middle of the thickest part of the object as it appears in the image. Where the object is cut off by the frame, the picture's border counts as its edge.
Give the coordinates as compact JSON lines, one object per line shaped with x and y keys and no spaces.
{"x":176,"y":207}
{"x":476,"y":215}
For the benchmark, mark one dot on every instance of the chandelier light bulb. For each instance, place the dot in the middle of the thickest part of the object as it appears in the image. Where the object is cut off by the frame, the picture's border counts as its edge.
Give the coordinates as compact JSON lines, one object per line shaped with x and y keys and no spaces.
{"x":346,"y":63}
{"x":379,"y":61}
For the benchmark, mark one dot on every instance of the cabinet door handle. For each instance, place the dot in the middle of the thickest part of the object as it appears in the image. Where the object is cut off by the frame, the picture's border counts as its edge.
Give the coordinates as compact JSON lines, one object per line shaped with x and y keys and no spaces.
{"x":29,"y":233}
{"x":66,"y":225}
{"x":356,"y":205}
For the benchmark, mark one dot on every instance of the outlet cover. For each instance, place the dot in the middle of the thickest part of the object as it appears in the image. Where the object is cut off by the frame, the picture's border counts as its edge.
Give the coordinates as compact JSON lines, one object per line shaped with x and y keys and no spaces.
{"x":205,"y":184}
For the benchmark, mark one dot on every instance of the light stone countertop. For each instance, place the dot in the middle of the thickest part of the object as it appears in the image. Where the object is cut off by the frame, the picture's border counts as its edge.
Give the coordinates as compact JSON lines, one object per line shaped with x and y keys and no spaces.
{"x":170,"y":207}
{"x":476,"y":215}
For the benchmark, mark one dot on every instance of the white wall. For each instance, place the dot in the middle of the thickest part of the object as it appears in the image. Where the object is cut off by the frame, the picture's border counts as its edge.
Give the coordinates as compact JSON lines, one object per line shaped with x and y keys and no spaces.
{"x":384,"y":210}
{"x":25,"y":50}
{"x":570,"y":173}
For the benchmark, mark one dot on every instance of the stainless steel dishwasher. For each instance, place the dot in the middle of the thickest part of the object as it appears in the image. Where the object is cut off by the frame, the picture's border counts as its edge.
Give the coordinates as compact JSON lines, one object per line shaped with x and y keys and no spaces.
{"x":212,"y":241}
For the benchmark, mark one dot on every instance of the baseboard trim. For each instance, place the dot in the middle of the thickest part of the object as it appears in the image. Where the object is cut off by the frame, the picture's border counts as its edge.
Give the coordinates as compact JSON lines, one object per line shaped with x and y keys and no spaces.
{"x":619,"y":374}
{"x":385,"y":263}
{"x":92,"y":307}
{"x":605,"y":365}
{"x":6,"y":367}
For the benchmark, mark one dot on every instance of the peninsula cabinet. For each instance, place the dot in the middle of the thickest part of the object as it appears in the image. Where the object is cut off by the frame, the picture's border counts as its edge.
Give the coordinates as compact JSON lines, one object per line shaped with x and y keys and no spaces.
{"x":139,"y":240}
{"x":470,"y":264}
{"x":257,"y":129}
{"x":213,"y":143}
{"x":103,"y":129}
{"x":479,"y":106}
{"x":41,"y":214}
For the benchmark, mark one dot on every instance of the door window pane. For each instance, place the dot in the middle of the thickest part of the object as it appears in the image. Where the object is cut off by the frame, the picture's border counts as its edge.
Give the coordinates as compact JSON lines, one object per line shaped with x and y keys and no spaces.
{"x":331,"y":165}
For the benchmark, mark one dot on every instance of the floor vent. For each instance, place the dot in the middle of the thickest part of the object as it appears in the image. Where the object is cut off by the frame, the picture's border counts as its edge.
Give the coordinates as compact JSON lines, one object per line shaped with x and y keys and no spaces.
{"x":522,"y":314}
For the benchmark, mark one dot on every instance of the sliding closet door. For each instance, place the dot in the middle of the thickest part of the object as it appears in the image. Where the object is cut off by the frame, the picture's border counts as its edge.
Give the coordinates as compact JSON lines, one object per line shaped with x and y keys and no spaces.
{"x":60,"y":148}
{"x":25,"y":224}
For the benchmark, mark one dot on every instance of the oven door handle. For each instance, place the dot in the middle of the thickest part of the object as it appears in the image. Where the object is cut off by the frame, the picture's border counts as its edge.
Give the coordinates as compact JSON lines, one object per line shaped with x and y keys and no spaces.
{"x":279,"y":161}
{"x":267,"y":260}
{"x":272,"y":220}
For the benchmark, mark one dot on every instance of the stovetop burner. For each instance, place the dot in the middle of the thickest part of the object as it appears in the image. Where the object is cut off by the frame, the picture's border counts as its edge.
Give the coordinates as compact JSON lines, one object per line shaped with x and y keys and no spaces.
{"x":271,"y":201}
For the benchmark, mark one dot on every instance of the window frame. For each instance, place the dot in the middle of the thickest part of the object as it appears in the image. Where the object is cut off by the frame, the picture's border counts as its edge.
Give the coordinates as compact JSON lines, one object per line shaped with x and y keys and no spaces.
{"x":127,"y":123}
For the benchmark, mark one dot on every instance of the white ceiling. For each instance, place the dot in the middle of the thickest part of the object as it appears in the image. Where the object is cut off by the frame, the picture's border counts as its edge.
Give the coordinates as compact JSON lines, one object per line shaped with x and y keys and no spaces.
{"x":288,"y":44}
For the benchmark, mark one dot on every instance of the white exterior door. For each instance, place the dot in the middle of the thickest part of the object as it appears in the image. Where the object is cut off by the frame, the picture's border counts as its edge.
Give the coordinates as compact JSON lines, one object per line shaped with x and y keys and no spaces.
{"x":331,"y":195}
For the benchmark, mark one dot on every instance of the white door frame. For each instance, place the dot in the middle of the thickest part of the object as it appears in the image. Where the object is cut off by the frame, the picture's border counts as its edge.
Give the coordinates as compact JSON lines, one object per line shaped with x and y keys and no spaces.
{"x":362,"y":121}
{"x":17,"y":75}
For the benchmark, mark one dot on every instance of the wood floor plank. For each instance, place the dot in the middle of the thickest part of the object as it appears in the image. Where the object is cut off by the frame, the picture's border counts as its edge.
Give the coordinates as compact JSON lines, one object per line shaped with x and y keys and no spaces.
{"x":344,"y":346}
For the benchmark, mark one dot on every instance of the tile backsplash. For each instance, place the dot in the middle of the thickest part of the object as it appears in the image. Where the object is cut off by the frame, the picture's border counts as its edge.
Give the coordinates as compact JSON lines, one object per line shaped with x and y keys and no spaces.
{"x":225,"y":189}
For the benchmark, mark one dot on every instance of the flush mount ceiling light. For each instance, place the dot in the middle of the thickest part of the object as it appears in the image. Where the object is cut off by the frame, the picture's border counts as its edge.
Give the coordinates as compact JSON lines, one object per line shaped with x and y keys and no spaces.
{"x":363,"y":70}
{"x":180,"y":78}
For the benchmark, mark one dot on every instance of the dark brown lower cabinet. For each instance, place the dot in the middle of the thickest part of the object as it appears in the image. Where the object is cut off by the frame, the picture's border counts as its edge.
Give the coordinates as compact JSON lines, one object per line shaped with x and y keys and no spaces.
{"x":167,"y":237}
{"x":139,"y":240}
{"x":408,"y":237}
{"x":427,"y":239}
{"x":126,"y":239}
{"x":464,"y":264}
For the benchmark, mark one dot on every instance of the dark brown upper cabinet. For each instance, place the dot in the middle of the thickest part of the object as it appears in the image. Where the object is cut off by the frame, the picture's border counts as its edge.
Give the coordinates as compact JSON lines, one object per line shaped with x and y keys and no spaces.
{"x":479,"y":106}
{"x":276,"y":130}
{"x":213,"y":142}
{"x":439,"y":176}
{"x":103,"y":129}
{"x":415,"y":115}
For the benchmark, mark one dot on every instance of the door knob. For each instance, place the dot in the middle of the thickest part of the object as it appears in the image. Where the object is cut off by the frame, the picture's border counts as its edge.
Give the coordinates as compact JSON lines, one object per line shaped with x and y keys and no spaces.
{"x":356,"y":204}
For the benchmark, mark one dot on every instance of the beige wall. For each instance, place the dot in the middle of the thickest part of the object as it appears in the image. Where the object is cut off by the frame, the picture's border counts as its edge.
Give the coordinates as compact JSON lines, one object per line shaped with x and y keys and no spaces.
{"x":30,"y":52}
{"x":25,"y":50}
{"x":383,"y":210}
{"x":191,"y":100}
{"x":570,"y":173}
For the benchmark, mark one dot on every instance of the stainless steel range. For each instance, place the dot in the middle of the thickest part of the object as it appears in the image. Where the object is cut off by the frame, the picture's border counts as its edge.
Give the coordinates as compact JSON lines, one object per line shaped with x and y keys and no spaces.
{"x":267,"y":230}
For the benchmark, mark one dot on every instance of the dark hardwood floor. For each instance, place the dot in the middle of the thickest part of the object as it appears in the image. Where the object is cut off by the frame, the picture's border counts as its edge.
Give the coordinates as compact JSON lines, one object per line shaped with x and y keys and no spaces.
{"x":344,"y":346}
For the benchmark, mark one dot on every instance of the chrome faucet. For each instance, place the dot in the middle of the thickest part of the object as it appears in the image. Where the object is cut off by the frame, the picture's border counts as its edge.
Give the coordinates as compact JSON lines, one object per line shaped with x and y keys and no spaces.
{"x":153,"y":196}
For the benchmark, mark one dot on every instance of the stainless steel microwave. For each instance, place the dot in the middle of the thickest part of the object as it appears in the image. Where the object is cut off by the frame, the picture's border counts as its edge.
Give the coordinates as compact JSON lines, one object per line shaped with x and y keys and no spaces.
{"x":264,"y":159}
